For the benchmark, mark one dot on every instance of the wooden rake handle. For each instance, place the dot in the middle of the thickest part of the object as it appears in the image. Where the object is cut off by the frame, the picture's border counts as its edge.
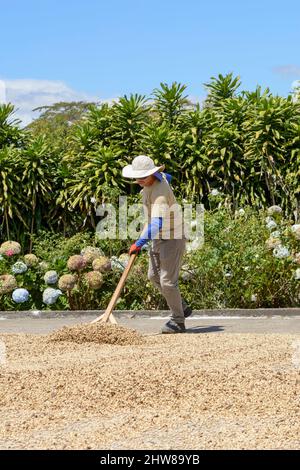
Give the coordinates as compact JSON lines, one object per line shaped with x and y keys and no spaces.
{"x":104,"y":317}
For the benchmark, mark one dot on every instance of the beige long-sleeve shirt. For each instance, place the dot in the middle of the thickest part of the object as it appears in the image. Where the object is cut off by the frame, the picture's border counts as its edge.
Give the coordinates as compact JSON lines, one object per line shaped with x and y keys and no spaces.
{"x":159,"y":201}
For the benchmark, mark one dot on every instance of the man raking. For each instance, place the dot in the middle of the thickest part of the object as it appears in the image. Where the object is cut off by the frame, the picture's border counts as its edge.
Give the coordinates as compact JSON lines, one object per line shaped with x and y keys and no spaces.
{"x":165,"y":227}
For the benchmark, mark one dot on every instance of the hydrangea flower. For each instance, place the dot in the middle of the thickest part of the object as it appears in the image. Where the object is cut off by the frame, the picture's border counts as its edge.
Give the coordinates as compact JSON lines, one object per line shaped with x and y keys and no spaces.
{"x":51,"y":295}
{"x":101,"y":264}
{"x":296,"y":258}
{"x":297,"y":274}
{"x":215,"y":192}
{"x":281,"y":252}
{"x":124,"y":259}
{"x":76,"y":263}
{"x":276,"y":234}
{"x":241,"y":211}
{"x":268,"y":219}
{"x":272,"y":243}
{"x":271,"y":225}
{"x":116,"y":264}
{"x":274,"y":210}
{"x":193,"y":245}
{"x":7,"y":283}
{"x":44,"y":265}
{"x":51,"y":277}
{"x":67,"y":282}
{"x":94,"y":279}
{"x":10,"y":246}
{"x":90,"y":253}
{"x":296,"y":230}
{"x":31,"y":260}
{"x":19,"y":267}
{"x":20,"y":295}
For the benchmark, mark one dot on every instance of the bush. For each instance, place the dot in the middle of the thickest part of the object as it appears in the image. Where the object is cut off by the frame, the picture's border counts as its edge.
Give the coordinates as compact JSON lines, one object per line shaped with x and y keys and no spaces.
{"x":250,"y":259}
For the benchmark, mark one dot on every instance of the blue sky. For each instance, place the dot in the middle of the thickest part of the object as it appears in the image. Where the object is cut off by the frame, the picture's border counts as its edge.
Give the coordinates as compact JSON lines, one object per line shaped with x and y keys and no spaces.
{"x":90,"y":49}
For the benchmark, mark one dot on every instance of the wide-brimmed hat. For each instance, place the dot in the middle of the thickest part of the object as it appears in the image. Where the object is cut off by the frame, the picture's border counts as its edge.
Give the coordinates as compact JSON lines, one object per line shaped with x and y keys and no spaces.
{"x":141,"y":167}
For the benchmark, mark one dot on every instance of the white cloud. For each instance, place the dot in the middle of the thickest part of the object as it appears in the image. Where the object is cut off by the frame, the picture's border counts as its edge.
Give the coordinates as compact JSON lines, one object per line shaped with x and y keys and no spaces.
{"x":27,"y":94}
{"x":287,"y":70}
{"x":2,"y":92}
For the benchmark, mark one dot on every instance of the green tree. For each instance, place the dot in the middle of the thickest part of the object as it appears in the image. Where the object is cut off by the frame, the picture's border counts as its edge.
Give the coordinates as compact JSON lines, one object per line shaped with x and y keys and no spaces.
{"x":170,"y":102}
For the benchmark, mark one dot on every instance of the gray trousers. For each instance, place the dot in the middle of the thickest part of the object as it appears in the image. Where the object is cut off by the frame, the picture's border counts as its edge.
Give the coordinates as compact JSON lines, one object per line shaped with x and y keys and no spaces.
{"x":164,"y":266}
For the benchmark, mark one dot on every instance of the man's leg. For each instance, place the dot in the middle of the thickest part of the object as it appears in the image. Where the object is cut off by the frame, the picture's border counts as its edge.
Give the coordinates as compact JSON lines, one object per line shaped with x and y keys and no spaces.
{"x":154,"y":274}
{"x":154,"y":266}
{"x":171,"y":252}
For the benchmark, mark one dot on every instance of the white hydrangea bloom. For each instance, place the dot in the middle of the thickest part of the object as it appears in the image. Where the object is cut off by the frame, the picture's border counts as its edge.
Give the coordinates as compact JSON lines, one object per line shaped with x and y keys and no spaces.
{"x":51,"y":295}
{"x":276,"y":234}
{"x":215,"y":192}
{"x":51,"y":277}
{"x":281,"y":252}
{"x":194,"y":245}
{"x":296,"y":230}
{"x":19,"y":267}
{"x":271,"y":225}
{"x":274,"y":210}
{"x":116,"y":264}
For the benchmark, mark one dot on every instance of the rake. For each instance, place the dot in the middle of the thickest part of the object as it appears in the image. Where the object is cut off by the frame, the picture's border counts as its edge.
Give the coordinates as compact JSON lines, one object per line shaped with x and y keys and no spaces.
{"x":107,"y":316}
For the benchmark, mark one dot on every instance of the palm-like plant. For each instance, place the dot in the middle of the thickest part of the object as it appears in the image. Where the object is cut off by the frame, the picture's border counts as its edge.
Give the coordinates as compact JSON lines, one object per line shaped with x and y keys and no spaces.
{"x":38,"y":167}
{"x":158,"y":143}
{"x":10,"y":133}
{"x":265,"y":129}
{"x":11,"y":199}
{"x":100,"y":168}
{"x":129,"y":118}
{"x":191,"y":157}
{"x":94,"y":128}
{"x":221,"y":88}
{"x":170,"y":102}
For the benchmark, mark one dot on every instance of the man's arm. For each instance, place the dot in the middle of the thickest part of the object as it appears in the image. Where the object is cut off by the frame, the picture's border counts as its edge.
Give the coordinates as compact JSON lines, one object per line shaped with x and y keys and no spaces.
{"x":148,"y":233}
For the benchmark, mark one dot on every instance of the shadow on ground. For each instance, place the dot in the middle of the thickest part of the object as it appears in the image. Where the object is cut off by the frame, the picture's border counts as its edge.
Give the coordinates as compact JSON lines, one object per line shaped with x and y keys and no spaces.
{"x":205,"y":329}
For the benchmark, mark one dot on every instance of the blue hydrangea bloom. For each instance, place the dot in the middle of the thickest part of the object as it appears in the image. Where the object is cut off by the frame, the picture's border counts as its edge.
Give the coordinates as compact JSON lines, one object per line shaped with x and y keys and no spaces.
{"x":51,"y":277}
{"x":20,"y":295}
{"x":51,"y":295}
{"x":19,"y":267}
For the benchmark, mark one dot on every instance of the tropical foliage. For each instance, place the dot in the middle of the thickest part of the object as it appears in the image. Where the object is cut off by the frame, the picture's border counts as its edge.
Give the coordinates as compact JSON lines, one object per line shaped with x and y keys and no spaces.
{"x":244,"y":144}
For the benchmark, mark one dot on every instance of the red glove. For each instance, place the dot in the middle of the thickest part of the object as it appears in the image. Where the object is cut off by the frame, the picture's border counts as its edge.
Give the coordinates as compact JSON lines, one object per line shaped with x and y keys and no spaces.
{"x":134,"y":249}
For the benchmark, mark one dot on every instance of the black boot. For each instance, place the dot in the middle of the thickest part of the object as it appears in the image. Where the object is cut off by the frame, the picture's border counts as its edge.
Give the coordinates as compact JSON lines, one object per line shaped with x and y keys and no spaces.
{"x":173,"y":327}
{"x":187,"y":311}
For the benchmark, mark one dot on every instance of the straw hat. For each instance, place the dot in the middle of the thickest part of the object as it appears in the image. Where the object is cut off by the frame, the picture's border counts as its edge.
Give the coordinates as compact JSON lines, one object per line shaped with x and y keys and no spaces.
{"x":141,"y":167}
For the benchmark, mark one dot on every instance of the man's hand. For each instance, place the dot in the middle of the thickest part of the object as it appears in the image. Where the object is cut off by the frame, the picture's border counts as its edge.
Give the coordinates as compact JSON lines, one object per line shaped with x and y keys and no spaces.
{"x":134,"y":249}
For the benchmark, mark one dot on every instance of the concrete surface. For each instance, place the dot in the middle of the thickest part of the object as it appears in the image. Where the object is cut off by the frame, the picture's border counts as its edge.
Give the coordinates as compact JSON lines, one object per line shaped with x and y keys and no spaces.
{"x":152,"y":325}
{"x":234,"y":312}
